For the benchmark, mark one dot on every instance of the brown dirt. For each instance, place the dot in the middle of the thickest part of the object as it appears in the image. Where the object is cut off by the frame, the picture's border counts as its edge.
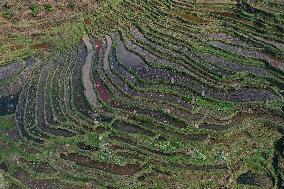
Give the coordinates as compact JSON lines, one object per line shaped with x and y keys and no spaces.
{"x":104,"y":94}
{"x":278,"y":64}
{"x":85,"y":161}
{"x":191,"y":18}
{"x":27,"y":148}
{"x":44,"y":46}
{"x":16,"y":47}
{"x":87,"y":22}
{"x":27,"y":180}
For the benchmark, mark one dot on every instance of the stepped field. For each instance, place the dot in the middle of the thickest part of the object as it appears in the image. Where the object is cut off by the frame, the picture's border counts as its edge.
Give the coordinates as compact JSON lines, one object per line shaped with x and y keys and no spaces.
{"x":142,"y":94}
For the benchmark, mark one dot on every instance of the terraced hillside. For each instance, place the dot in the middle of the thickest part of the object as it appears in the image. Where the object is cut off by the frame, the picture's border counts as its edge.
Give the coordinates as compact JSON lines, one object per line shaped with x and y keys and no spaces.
{"x":149,"y":94}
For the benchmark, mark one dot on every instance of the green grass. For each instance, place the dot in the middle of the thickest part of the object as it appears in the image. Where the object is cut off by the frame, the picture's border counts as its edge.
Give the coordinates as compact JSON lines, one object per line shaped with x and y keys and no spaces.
{"x":48,"y":7}
{"x":7,"y":122}
{"x":246,"y":145}
{"x":8,"y":14}
{"x":35,"y":9}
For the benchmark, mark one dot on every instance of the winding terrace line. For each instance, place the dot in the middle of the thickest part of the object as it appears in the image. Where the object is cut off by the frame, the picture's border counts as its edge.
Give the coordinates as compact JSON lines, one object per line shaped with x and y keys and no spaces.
{"x":87,"y":82}
{"x":243,"y":94}
{"x":108,"y":49}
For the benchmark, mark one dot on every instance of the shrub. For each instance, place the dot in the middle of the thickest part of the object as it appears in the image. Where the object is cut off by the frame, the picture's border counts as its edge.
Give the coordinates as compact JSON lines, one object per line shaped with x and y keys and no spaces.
{"x":7,"y":14}
{"x":35,"y":9}
{"x":72,"y":4}
{"x":48,"y":7}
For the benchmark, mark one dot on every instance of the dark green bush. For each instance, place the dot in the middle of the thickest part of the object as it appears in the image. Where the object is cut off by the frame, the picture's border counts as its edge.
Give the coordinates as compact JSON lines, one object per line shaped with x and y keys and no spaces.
{"x":72,"y":4}
{"x":7,"y":14}
{"x":48,"y":7}
{"x":35,"y":9}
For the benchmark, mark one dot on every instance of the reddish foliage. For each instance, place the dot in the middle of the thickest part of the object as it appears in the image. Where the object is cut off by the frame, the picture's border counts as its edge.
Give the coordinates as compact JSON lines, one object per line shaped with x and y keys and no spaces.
{"x":87,"y":21}
{"x":102,"y":90}
{"x":275,"y":63}
{"x":99,"y":45}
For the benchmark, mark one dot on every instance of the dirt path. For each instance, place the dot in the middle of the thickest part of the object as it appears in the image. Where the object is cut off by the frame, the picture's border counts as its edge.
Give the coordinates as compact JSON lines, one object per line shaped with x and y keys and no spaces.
{"x":87,"y":82}
{"x":106,"y":61}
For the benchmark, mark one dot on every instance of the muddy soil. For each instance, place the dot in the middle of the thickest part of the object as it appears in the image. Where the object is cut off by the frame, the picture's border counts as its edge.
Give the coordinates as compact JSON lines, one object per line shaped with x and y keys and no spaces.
{"x":127,"y":58}
{"x":10,"y":70}
{"x":253,"y":179}
{"x":126,"y":127}
{"x":85,"y":161}
{"x":8,"y":104}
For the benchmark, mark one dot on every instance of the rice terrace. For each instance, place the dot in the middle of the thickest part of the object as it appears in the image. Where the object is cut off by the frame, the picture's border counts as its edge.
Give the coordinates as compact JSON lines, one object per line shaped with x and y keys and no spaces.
{"x":146,"y":94}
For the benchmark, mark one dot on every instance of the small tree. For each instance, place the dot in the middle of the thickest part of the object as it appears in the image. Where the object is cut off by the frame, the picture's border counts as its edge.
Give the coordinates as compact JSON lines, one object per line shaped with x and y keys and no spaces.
{"x":48,"y":7}
{"x":7,"y":14}
{"x":169,"y":3}
{"x":35,"y":9}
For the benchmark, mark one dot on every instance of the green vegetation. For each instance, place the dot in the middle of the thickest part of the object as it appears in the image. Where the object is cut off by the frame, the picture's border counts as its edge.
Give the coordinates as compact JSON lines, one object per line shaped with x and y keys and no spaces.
{"x":35,"y":9}
{"x":7,"y":122}
{"x":48,"y":7}
{"x":8,"y":14}
{"x":142,"y":94}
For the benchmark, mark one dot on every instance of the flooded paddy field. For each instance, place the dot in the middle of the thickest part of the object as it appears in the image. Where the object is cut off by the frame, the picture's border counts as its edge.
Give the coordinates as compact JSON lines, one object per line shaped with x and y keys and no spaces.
{"x":145,"y":94}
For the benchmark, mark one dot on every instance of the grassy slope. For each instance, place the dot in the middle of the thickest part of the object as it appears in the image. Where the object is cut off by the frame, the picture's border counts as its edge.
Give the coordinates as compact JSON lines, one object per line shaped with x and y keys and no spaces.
{"x":24,"y":39}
